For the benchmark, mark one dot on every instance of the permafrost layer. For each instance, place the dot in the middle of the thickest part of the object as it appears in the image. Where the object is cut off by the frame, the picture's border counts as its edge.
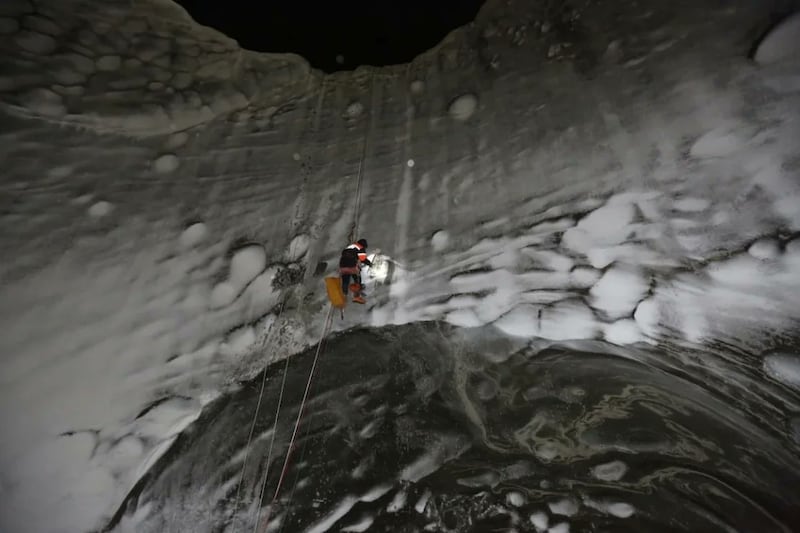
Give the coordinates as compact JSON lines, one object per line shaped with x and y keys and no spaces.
{"x":618,"y":172}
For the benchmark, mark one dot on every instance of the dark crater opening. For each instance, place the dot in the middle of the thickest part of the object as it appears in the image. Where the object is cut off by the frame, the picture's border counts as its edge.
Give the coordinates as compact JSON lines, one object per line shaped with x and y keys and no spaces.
{"x":336,"y":36}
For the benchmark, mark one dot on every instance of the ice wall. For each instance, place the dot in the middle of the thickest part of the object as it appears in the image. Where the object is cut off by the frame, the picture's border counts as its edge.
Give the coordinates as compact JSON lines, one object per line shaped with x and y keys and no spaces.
{"x":614,"y":171}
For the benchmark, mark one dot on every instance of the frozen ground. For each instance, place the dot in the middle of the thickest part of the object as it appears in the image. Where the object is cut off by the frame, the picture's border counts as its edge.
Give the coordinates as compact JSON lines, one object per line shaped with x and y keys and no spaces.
{"x":168,"y":202}
{"x":425,"y":427}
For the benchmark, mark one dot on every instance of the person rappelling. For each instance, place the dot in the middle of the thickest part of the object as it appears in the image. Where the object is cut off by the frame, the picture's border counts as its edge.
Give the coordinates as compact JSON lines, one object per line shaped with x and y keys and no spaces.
{"x":350,"y":264}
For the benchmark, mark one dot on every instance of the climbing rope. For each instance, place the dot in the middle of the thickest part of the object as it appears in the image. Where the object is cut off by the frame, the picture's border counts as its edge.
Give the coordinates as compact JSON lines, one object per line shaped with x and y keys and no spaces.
{"x":300,"y":411}
{"x":255,"y":417}
{"x":325,"y":331}
{"x":263,"y":482}
{"x":354,"y":229}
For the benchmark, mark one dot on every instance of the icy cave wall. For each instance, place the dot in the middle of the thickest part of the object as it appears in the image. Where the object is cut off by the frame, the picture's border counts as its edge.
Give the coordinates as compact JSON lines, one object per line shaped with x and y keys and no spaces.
{"x":163,"y":191}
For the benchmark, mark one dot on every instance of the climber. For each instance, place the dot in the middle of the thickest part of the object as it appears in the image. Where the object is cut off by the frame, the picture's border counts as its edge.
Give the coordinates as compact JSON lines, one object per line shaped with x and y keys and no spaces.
{"x":350,"y":263}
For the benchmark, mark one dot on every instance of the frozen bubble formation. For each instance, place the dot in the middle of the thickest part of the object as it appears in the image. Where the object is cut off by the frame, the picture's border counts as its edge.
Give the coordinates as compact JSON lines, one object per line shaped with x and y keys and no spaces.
{"x":100,"y":209}
{"x":166,"y":163}
{"x":516,"y":499}
{"x":612,"y":471}
{"x":539,"y":520}
{"x":247,"y":263}
{"x":193,"y":235}
{"x":355,"y":109}
{"x":439,"y":240}
{"x":463,"y":107}
{"x":565,"y":507}
{"x":781,"y":44}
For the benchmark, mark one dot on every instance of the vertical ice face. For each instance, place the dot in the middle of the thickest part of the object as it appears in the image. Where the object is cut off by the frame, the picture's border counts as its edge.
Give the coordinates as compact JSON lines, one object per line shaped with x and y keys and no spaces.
{"x":616,"y":181}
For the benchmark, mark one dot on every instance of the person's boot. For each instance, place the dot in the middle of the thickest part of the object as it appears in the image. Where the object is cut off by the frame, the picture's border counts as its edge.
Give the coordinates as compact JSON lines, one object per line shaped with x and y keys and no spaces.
{"x":355,"y":287}
{"x":359,"y":300}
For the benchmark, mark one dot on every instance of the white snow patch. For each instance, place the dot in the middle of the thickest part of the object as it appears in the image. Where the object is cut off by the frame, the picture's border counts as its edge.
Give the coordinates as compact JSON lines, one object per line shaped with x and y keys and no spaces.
{"x":397,"y":503}
{"x":100,"y":209}
{"x":440,"y":240}
{"x":423,"y":466}
{"x":565,"y":507}
{"x":623,"y":332}
{"x":539,"y":521}
{"x":618,"y":509}
{"x":612,"y":471}
{"x":765,"y":249}
{"x":463,"y":107}
{"x":619,"y":290}
{"x":375,"y":493}
{"x":422,"y":503}
{"x":360,"y":526}
{"x":782,"y":43}
{"x":784,"y":368}
{"x":368,"y":431}
{"x":331,"y":518}
{"x":562,"y":527}
{"x":193,"y":235}
{"x":516,"y":499}
{"x":298,"y":247}
{"x":166,"y":163}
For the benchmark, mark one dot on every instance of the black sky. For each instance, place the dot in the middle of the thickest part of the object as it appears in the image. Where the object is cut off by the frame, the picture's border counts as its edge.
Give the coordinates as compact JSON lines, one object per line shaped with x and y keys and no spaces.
{"x":376,"y":32}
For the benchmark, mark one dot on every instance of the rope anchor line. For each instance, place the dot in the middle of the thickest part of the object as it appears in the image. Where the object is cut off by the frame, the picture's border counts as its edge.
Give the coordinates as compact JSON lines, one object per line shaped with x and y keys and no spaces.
{"x":259,"y":526}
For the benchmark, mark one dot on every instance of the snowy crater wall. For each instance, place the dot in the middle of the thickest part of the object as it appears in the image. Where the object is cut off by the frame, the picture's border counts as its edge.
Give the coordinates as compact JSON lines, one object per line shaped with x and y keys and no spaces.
{"x":528,"y":173}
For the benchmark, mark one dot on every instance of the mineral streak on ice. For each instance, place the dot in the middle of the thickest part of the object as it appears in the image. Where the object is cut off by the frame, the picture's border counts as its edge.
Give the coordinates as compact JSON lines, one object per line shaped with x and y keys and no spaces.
{"x":606,"y":207}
